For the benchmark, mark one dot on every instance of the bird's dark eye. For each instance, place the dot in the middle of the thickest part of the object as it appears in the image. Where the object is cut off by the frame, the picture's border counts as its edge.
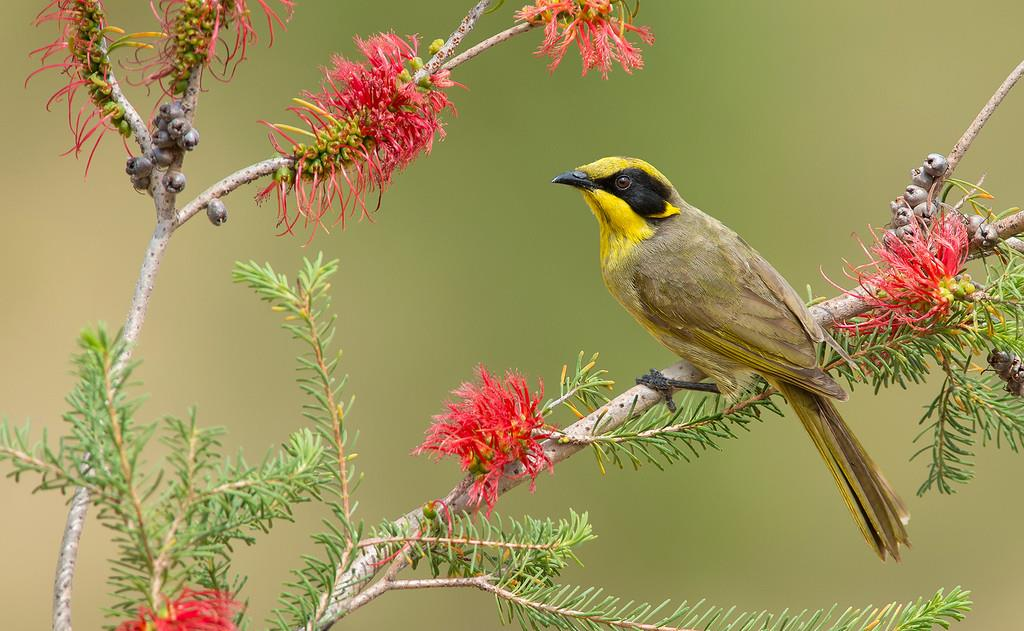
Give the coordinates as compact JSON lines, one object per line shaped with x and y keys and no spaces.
{"x":623,"y":182}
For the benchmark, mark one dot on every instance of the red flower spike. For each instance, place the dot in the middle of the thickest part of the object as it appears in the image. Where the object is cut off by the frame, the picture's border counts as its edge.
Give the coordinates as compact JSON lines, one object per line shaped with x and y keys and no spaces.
{"x":495,"y":424}
{"x":912,"y":282}
{"x":206,"y":33}
{"x":80,"y":52}
{"x":597,"y":27}
{"x":208,"y":610}
{"x":368,"y":121}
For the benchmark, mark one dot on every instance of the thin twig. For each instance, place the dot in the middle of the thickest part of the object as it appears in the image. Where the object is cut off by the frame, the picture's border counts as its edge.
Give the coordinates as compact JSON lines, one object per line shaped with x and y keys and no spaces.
{"x":962,"y":145}
{"x":455,"y":541}
{"x":16,"y":455}
{"x":183,"y":511}
{"x":138,"y":125}
{"x":453,"y":42}
{"x":483,"y":583}
{"x":229,"y":184}
{"x":127,"y":468}
{"x":490,"y":42}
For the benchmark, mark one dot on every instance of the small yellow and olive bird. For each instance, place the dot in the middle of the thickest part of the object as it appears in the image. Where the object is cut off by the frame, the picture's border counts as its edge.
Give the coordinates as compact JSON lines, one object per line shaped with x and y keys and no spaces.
{"x":713,"y":300}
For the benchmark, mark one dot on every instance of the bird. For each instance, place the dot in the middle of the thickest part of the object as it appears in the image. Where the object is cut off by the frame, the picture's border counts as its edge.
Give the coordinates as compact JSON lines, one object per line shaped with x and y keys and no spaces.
{"x":709,"y":297}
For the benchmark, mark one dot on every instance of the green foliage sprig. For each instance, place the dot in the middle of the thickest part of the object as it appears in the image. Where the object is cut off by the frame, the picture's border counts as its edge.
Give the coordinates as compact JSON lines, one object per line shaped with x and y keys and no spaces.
{"x":173,"y":525}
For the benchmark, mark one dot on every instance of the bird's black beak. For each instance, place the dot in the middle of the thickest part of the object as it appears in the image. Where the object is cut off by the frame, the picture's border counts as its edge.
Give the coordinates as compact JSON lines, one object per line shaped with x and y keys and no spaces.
{"x":579,"y":179}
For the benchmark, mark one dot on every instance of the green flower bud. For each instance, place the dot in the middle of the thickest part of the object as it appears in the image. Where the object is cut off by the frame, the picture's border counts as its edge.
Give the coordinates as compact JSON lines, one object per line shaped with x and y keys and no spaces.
{"x":435,"y":46}
{"x":283,"y":174}
{"x":430,"y":510}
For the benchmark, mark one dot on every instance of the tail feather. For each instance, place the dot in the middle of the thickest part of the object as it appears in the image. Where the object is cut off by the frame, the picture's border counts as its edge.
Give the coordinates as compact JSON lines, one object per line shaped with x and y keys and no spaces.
{"x":878,"y":511}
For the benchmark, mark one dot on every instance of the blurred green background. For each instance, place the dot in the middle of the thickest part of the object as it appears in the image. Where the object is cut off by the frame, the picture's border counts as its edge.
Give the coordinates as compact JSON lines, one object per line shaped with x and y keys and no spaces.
{"x":793,"y":122}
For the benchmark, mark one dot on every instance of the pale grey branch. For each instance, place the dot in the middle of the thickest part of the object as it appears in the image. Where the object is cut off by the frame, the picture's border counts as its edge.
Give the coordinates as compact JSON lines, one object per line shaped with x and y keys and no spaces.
{"x":490,"y":42}
{"x":979,"y":121}
{"x":229,"y":184}
{"x":453,"y":42}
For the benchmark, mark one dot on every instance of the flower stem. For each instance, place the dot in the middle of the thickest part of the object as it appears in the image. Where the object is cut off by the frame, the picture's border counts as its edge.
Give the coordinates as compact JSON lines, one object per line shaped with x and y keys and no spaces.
{"x":490,"y":42}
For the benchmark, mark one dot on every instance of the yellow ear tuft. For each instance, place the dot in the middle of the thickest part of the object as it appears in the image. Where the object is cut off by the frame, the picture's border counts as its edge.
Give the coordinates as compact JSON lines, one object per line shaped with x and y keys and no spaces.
{"x":668,"y":212}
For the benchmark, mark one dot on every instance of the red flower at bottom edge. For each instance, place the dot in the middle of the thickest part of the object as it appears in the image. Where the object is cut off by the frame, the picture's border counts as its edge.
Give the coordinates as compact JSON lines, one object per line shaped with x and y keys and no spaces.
{"x":208,"y":610}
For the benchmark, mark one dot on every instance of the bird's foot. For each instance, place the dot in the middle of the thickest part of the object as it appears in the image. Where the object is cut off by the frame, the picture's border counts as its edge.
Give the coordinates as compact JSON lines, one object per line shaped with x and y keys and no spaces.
{"x":657,"y":381}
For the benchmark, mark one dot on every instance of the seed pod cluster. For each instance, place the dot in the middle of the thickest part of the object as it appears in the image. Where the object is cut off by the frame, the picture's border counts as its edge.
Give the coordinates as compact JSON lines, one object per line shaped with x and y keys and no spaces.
{"x":1010,"y":369}
{"x":173,"y":135}
{"x":914,"y":206}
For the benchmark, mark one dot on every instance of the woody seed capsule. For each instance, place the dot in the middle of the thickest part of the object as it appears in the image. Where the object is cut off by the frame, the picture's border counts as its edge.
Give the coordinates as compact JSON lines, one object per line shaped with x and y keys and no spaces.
{"x":915,"y":195}
{"x":935,"y":164}
{"x":216,"y":212}
{"x":174,"y":181}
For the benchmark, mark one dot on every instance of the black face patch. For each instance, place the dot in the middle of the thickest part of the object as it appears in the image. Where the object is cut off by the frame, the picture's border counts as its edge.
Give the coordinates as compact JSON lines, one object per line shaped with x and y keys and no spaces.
{"x":644,"y":194}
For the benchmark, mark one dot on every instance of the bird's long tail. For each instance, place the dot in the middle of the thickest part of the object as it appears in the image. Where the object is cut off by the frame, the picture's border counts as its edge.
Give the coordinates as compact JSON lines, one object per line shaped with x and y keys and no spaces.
{"x":879,"y":513}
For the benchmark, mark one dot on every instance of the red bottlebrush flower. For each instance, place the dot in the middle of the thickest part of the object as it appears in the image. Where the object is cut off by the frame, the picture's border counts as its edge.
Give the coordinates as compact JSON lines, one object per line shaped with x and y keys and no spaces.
{"x":368,"y":120}
{"x":912,"y":281}
{"x":597,"y":27}
{"x":208,"y":610}
{"x":80,"y":52}
{"x":493,"y":425}
{"x":206,"y":33}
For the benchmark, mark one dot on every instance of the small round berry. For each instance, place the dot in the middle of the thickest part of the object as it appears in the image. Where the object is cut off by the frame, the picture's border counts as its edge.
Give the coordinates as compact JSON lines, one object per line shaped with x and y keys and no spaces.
{"x":1015,"y":388}
{"x":174,"y":181}
{"x":190,"y":140}
{"x":999,"y":360}
{"x":138,"y":165}
{"x":905,"y":232}
{"x":987,"y":236}
{"x":922,"y":179}
{"x":178,"y":127}
{"x":216,"y":212}
{"x":973,"y":223}
{"x":172,"y":110}
{"x":935,"y":164}
{"x":161,"y":157}
{"x":162,"y":138}
{"x":141,"y":182}
{"x":926,"y":210}
{"x":915,"y":195}
{"x":902,"y":217}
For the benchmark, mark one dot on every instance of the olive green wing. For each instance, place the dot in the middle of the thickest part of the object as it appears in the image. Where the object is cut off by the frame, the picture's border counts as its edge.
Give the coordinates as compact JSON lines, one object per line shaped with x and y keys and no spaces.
{"x":713,"y":288}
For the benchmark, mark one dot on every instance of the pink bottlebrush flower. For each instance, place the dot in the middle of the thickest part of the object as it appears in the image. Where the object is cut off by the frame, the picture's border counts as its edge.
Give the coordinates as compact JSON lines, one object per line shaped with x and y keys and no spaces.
{"x":912,"y":281}
{"x":208,"y":610}
{"x":368,"y":120}
{"x":206,"y":33}
{"x":493,"y":425}
{"x":80,"y":52}
{"x":597,"y":27}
